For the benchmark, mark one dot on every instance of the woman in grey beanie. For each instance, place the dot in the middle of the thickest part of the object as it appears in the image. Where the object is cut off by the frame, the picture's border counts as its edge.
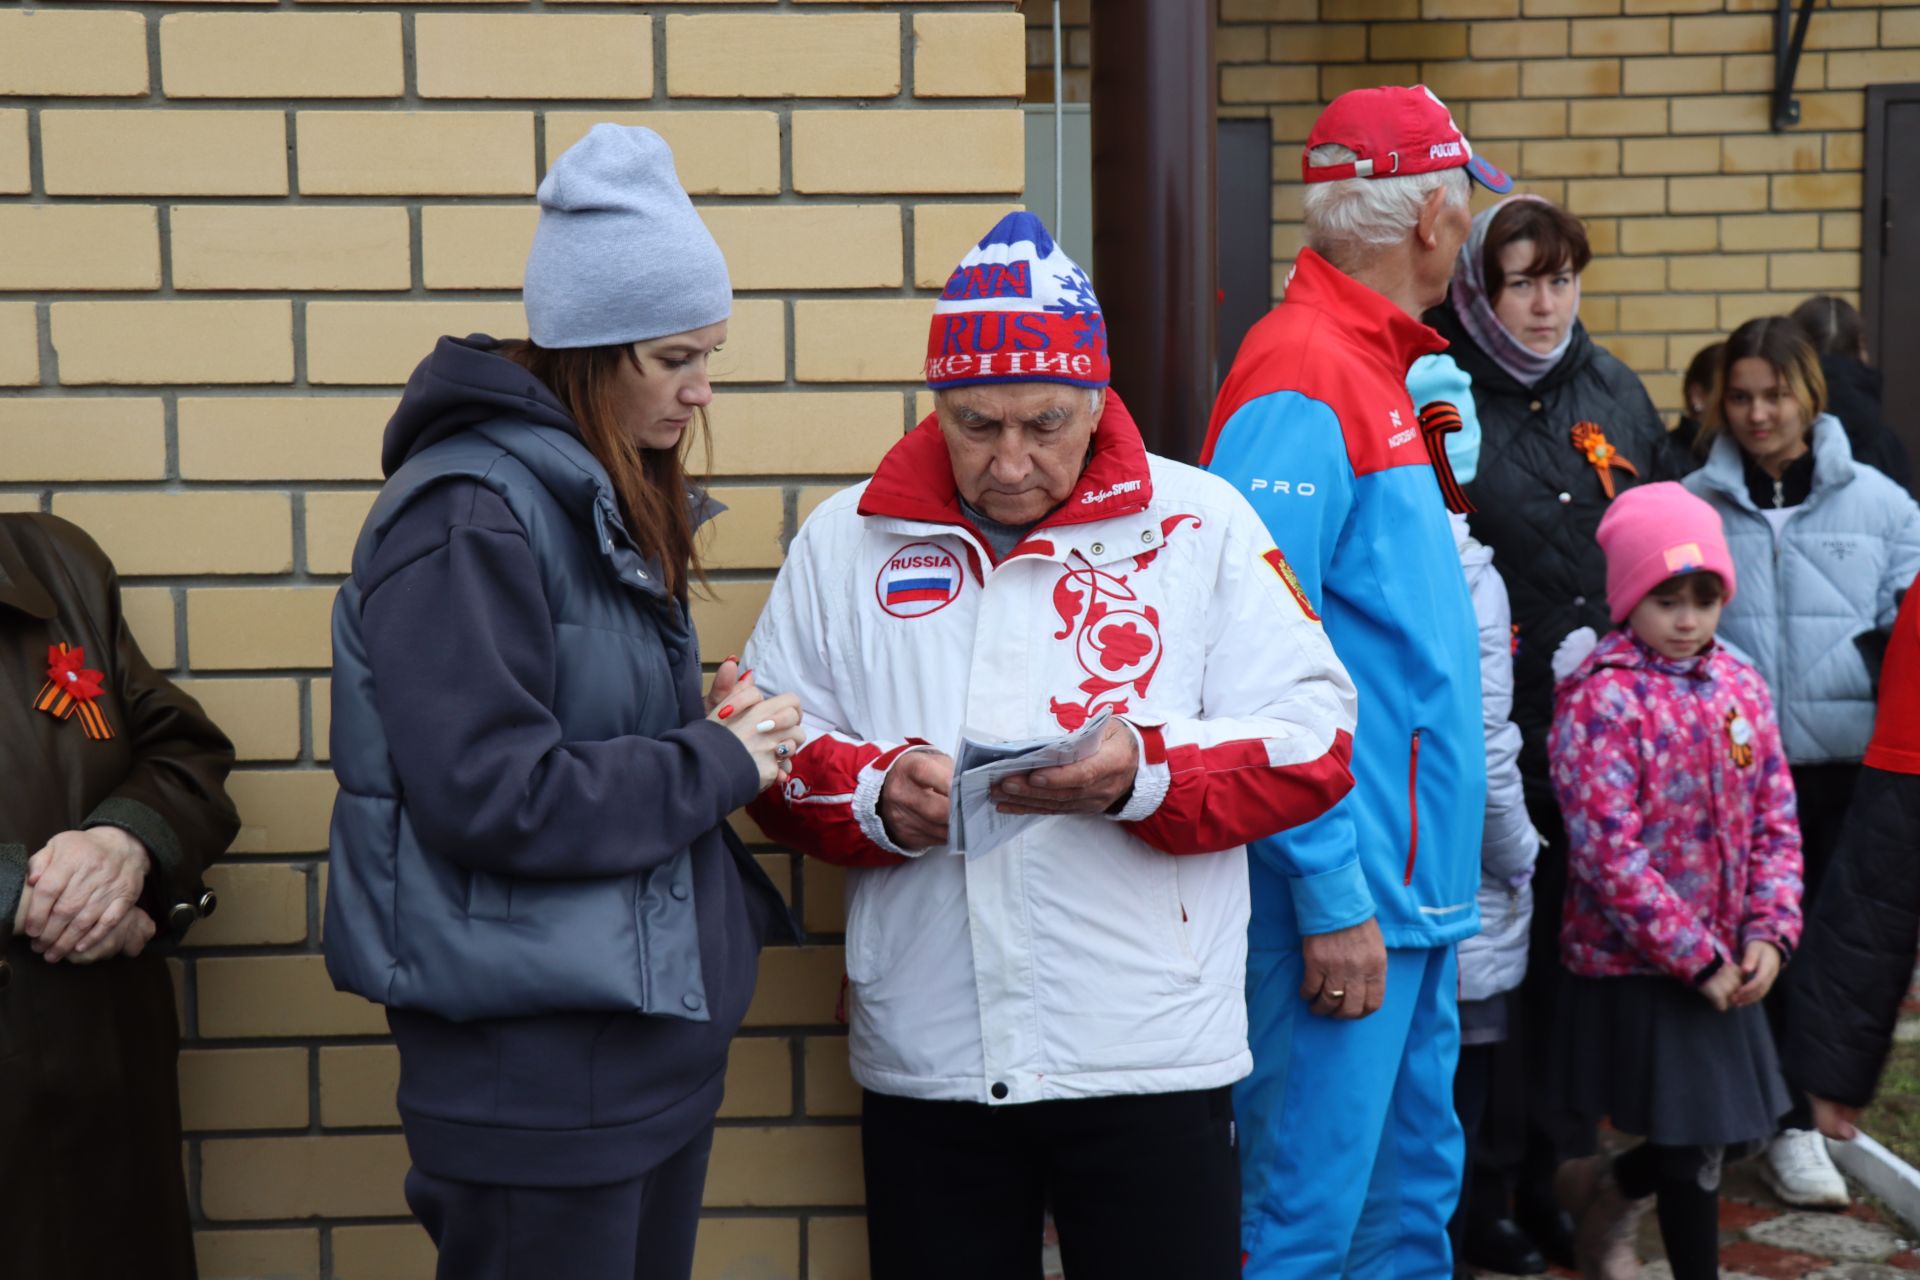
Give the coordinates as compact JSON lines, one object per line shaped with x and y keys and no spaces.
{"x":531,"y":866}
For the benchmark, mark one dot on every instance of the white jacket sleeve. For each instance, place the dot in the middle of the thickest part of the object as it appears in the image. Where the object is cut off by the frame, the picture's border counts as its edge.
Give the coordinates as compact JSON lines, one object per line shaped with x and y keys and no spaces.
{"x":1508,"y":843}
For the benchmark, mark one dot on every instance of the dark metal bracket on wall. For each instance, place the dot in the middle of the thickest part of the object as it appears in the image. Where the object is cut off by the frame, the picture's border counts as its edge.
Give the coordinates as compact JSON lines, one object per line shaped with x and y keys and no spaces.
{"x":1789,"y":41}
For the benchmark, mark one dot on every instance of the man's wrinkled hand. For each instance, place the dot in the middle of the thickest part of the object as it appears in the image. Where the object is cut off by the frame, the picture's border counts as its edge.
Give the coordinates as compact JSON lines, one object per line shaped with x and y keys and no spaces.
{"x":84,"y":883}
{"x":135,"y":931}
{"x":914,"y":799}
{"x":1345,"y":971}
{"x":1095,"y":785}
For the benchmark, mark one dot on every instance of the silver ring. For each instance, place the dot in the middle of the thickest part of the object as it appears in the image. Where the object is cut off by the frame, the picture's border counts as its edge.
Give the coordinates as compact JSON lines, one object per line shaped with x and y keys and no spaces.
{"x":1334,"y":995}
{"x":781,"y":750}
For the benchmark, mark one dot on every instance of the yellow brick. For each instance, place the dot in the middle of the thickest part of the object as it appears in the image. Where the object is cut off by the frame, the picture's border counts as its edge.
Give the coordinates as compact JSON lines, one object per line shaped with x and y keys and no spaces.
{"x":290,"y":247}
{"x":203,"y":532}
{"x":1269,"y":84}
{"x":1626,"y":275}
{"x":810,"y":246}
{"x":1571,"y":78}
{"x":1728,"y":33}
{"x":19,"y":345}
{"x":44,"y":53}
{"x":1856,"y":70}
{"x":1840,"y":231}
{"x":145,"y":152}
{"x":1534,"y":39}
{"x":1594,"y":157}
{"x":826,"y":910}
{"x":320,"y":716}
{"x":15,"y":177}
{"x":831,"y":1089}
{"x":1770,"y":231}
{"x":1230,"y":45}
{"x":82,"y":438}
{"x":369,"y":343}
{"x":1900,"y":29}
{"x":804,"y":503}
{"x":1672,"y":75}
{"x":1457,"y":82}
{"x":747,"y":534}
{"x":173,"y":342}
{"x":261,"y":716}
{"x":393,"y":153}
{"x":533,"y":56}
{"x":1336,"y":80}
{"x":968,"y":55}
{"x":1369,"y":10}
{"x":1251,"y":10}
{"x":724,"y":623}
{"x":1617,"y":195}
{"x":1851,"y":31}
{"x":1726,"y":114}
{"x":335,"y":1176}
{"x":1597,"y":37}
{"x":942,"y":235}
{"x":1338,"y":42}
{"x":797,"y":984}
{"x":278,"y":996}
{"x":736,"y":1248}
{"x":1418,"y":41}
{"x":79,"y":246}
{"x":19,"y":503}
{"x":1822,"y":272}
{"x":1619,"y":117}
{"x":1816,"y":191}
{"x":759,"y":1078}
{"x":1845,"y":151}
{"x":764,"y":1167}
{"x":853,"y":55}
{"x":779,"y":869}
{"x":258,"y":628}
{"x":787,"y":432}
{"x":243,"y":1088}
{"x":283,"y":1253}
{"x":886,"y":151}
{"x":1671,"y":155}
{"x":839,"y":340}
{"x":837,"y":1247}
{"x":334,"y":520}
{"x":1670,"y":235}
{"x":1716,"y":195}
{"x":1737,"y":309}
{"x":357,"y":1086}
{"x":478,"y":246}
{"x":149,"y":615}
{"x":383,"y":1253}
{"x":281,"y":810}
{"x":1772,"y":153}
{"x":1832,"y":110}
{"x":1717,"y":273}
{"x":1668,"y":313}
{"x":714,"y":152}
{"x":281,"y":55}
{"x":1519,"y":118}
{"x":1675,"y":6}
{"x":756,"y":345}
{"x":282,"y":437}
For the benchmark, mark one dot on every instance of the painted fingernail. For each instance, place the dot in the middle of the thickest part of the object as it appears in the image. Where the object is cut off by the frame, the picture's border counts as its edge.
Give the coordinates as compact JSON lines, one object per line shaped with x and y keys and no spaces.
{"x":725,"y":712}
{"x":732,"y":657}
{"x":765,"y":726}
{"x":747,"y":674}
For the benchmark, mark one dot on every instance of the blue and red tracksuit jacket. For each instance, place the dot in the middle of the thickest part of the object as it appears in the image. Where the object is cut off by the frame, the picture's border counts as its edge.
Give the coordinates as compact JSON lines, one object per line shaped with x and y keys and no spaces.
{"x":1314,"y":426}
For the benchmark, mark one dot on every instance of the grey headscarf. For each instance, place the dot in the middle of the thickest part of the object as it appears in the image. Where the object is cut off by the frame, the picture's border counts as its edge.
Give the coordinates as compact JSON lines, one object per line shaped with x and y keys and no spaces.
{"x":1473,"y":305}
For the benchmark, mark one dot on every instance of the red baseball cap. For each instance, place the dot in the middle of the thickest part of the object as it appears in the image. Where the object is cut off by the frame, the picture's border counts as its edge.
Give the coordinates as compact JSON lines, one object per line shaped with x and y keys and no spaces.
{"x":1395,"y":130}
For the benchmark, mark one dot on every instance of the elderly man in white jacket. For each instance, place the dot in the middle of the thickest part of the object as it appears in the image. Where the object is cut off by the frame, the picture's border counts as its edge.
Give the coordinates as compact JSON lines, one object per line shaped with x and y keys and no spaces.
{"x":1055,"y":1022}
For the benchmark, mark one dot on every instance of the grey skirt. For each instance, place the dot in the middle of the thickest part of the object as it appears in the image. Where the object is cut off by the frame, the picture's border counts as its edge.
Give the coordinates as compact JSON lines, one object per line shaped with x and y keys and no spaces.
{"x":1652,"y":1056}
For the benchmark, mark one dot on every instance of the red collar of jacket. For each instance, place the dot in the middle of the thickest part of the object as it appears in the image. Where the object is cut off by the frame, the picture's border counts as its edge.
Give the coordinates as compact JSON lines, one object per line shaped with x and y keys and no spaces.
{"x":1376,"y":323}
{"x":915,"y":480}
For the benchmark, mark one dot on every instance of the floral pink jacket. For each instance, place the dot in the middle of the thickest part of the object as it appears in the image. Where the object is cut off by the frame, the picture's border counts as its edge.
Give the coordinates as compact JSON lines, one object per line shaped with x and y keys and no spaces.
{"x":1683,"y":842}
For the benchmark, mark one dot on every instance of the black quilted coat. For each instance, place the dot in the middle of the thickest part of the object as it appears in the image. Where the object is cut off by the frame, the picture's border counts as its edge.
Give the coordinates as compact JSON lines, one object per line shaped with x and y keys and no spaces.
{"x":1539,"y":500}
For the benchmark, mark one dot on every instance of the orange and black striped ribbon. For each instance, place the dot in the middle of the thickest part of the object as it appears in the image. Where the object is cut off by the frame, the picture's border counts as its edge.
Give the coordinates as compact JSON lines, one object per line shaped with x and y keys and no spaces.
{"x":59,"y":702}
{"x":1437,"y":421}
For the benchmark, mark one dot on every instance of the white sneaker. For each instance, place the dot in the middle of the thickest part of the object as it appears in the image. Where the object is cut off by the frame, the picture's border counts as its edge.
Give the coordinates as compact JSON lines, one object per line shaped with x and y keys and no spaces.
{"x":1801,"y":1172}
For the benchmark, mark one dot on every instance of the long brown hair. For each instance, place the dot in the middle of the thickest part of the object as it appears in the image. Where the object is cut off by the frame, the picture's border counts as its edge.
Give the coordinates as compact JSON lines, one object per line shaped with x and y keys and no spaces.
{"x":1783,"y":345}
{"x":650,"y":484}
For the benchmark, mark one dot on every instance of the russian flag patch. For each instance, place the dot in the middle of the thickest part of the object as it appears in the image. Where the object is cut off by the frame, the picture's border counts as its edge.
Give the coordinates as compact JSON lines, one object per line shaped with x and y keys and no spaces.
{"x":918,"y":579}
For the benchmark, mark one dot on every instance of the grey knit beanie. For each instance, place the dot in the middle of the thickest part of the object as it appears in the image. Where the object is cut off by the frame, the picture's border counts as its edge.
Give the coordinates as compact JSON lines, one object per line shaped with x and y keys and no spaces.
{"x":620,"y":255}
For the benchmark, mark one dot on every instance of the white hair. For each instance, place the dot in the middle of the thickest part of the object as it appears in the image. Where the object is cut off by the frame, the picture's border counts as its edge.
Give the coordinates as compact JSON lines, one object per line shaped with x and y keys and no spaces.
{"x":1352,"y":217}
{"x":1095,"y":397}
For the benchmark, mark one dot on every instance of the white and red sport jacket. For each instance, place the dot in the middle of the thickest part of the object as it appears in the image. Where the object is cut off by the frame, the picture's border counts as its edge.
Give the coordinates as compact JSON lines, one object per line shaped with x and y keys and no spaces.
{"x":1089,"y":956}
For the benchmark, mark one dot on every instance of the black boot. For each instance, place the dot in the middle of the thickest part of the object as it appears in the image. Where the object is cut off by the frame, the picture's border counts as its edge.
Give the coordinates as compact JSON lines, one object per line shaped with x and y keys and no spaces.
{"x":1501,"y":1245}
{"x":1549,"y":1229}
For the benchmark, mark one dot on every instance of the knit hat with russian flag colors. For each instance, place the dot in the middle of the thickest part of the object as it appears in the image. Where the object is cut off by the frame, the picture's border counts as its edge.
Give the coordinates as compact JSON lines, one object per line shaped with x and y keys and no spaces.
{"x":1017,"y":309}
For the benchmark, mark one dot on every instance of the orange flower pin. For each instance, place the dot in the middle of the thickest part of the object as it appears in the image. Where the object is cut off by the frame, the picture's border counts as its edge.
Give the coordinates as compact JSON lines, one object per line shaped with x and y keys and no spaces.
{"x":1589,"y":439}
{"x":73,"y":690}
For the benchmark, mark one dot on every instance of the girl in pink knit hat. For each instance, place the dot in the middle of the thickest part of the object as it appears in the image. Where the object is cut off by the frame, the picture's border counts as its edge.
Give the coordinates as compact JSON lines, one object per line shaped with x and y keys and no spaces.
{"x":1683,"y":891}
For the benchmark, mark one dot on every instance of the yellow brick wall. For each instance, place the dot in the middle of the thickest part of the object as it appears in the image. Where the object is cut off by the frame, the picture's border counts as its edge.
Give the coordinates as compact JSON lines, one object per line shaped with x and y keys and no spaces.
{"x":229,"y":233}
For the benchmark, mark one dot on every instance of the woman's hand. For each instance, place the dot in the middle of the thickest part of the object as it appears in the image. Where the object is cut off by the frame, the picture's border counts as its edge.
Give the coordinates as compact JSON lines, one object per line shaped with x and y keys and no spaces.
{"x":1836,"y":1120}
{"x":1760,"y":964}
{"x":84,"y":883}
{"x":769,"y":728}
{"x":723,"y":684}
{"x":1720,"y":988}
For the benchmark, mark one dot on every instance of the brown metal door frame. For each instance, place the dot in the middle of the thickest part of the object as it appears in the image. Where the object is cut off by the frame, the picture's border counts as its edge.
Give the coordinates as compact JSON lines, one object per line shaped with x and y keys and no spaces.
{"x":1874,"y":214}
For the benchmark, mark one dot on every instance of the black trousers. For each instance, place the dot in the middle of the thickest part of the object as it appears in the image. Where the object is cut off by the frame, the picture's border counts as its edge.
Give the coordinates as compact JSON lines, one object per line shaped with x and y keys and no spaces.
{"x":1822,"y":794}
{"x":640,"y":1229}
{"x":1144,"y":1187}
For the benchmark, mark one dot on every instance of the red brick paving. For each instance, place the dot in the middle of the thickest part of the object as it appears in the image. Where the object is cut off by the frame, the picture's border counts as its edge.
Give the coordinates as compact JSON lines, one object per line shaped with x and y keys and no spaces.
{"x":1763,"y":1260}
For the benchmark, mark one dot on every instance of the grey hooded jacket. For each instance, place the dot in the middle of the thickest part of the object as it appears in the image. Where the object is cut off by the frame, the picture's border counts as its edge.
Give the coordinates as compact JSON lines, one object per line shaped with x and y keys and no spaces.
{"x":1833,"y":572}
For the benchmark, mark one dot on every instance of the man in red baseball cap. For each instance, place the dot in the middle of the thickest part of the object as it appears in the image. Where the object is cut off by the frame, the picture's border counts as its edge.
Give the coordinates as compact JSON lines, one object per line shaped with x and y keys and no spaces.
{"x":1350,"y":1149}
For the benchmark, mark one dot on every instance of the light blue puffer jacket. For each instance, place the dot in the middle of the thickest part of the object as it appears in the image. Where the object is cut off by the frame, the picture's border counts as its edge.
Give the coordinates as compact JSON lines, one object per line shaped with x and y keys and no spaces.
{"x":1833,"y":572}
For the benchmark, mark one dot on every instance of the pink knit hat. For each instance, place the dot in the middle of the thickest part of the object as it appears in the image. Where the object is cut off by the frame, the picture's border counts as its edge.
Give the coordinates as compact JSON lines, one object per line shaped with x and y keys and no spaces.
{"x":1653,"y":532}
